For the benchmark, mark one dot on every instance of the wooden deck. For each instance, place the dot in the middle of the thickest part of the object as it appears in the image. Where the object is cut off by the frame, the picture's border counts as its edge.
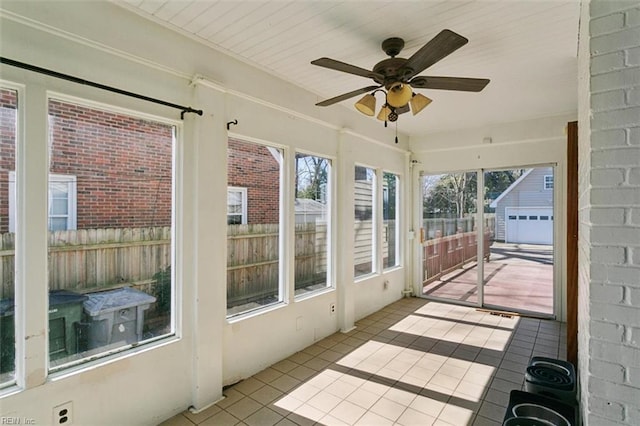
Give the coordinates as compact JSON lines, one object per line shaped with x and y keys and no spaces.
{"x":518,"y":277}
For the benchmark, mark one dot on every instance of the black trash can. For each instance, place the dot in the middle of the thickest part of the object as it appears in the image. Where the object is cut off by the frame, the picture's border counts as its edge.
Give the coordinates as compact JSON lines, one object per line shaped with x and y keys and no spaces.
{"x":65,"y":310}
{"x":7,"y":336}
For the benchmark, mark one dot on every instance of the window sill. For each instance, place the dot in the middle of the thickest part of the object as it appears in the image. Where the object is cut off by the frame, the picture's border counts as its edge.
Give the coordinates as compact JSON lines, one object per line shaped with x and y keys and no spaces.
{"x":255,"y":312}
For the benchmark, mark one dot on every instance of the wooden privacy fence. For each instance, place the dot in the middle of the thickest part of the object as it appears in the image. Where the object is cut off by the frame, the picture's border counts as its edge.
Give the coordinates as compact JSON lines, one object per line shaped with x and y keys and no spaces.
{"x":442,"y":255}
{"x":253,"y":265}
{"x":97,"y":259}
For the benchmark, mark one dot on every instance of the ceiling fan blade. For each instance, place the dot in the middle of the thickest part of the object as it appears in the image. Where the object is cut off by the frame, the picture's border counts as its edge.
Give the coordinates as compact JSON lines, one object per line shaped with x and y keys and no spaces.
{"x":449,"y":83}
{"x":348,"y":68}
{"x":345,"y":96}
{"x":442,"y":45}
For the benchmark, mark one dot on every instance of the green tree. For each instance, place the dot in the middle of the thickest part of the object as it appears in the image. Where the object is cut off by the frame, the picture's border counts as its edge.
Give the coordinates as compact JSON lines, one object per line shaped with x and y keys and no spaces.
{"x":311,"y":176}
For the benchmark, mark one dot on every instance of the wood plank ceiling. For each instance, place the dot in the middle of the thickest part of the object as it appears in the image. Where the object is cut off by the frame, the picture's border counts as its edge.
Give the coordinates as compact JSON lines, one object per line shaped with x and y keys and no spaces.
{"x":528,"y":48}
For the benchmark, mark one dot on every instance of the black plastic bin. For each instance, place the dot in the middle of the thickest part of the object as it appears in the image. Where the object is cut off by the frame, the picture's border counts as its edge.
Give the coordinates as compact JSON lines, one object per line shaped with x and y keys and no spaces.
{"x":7,"y":336}
{"x":65,"y":310}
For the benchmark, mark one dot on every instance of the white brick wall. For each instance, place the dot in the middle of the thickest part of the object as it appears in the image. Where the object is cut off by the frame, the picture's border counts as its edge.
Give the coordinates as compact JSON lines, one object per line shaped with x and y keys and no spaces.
{"x":609,"y":205}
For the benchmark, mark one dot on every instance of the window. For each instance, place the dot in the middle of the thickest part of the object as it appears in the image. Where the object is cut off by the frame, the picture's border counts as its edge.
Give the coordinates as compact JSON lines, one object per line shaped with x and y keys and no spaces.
{"x":364,"y":247}
{"x":391,"y":234}
{"x":8,"y":127}
{"x":62,"y":202}
{"x":548,"y":182}
{"x":236,"y":206}
{"x":253,"y":262}
{"x":312,"y":224}
{"x":110,"y":217}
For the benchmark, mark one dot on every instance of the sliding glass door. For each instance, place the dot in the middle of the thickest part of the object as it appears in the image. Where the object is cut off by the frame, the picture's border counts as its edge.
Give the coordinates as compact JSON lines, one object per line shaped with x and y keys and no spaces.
{"x":449,"y":237}
{"x":504,"y":217}
{"x":519,"y":211}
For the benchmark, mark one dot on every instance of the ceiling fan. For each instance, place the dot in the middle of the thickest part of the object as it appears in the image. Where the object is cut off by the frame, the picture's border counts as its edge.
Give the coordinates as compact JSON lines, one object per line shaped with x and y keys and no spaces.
{"x":397,"y":77}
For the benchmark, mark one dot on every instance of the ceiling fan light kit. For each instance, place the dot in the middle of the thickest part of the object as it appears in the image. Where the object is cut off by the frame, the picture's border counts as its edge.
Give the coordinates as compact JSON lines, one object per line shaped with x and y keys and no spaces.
{"x":397,"y":77}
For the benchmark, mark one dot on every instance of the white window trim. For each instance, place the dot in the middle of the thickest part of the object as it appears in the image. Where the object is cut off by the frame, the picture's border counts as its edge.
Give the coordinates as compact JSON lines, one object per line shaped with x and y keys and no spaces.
{"x":70,"y":180}
{"x":546,"y":180}
{"x":243,"y":194}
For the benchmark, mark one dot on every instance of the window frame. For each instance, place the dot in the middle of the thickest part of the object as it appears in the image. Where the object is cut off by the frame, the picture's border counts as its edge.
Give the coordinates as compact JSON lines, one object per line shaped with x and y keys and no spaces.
{"x":72,"y":200}
{"x":548,"y":182}
{"x":175,"y":321}
{"x":329,"y":206}
{"x":398,"y":221}
{"x":243,"y":204}
{"x":374,"y":222}
{"x":282,"y":152}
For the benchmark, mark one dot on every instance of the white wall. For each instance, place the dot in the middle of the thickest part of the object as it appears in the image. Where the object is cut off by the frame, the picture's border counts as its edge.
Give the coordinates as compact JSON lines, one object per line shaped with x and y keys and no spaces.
{"x":154,"y":382}
{"x":609,"y":232}
{"x":534,"y":142}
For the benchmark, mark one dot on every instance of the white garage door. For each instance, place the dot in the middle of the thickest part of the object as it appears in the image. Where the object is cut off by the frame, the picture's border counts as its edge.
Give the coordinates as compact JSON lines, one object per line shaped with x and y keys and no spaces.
{"x":532,"y":225}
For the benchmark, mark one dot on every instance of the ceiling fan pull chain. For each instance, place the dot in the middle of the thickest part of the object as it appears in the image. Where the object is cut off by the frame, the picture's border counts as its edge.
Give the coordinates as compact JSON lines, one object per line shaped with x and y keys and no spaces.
{"x":396,"y":132}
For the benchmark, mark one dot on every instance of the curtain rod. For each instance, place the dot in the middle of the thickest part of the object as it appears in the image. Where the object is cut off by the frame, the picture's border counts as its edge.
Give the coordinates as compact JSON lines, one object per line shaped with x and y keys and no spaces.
{"x":62,"y":76}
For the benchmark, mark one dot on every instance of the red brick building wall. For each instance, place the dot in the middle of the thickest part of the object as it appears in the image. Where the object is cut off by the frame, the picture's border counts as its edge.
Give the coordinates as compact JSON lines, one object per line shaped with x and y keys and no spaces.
{"x":254,"y":167}
{"x":123,"y":166}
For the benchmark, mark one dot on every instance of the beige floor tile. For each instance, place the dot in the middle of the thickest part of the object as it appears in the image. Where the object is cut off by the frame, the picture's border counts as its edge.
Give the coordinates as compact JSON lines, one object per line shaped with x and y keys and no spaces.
{"x":329,"y":420}
{"x":400,"y":396}
{"x":300,"y":357}
{"x":427,"y":405}
{"x":284,"y":366}
{"x":445,"y":381}
{"x":309,"y":412}
{"x":388,"y":408}
{"x":456,"y":415}
{"x":268,"y":375}
{"x":340,"y":389}
{"x":221,"y":419}
{"x":302,"y":372}
{"x":471,"y":391}
{"x":231,"y":396}
{"x":404,"y":374}
{"x":413,"y":417}
{"x":347,"y":412}
{"x":285,"y":383}
{"x":305,"y":392}
{"x":286,"y":422}
{"x":324,"y":401}
{"x":491,"y":411}
{"x":266,"y":394}
{"x":263,"y":417}
{"x":244,"y":408}
{"x":483,"y":421}
{"x":363,"y":398}
{"x":177,"y":420}
{"x":286,"y":405}
{"x":373,"y":419}
{"x":248,"y":386}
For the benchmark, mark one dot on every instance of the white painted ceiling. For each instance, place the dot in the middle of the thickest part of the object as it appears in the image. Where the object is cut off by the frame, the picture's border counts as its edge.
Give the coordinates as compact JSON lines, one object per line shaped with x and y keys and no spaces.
{"x":528,"y":48}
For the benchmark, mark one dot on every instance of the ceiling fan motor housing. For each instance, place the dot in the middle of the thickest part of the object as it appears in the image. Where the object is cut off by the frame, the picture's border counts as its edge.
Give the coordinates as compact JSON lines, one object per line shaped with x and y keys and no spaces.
{"x":393,"y":46}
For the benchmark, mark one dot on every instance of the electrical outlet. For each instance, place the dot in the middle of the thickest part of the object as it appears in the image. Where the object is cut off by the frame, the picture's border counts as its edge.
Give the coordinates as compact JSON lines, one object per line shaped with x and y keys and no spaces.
{"x":385,"y":285}
{"x":63,"y":414}
{"x":332,"y":309}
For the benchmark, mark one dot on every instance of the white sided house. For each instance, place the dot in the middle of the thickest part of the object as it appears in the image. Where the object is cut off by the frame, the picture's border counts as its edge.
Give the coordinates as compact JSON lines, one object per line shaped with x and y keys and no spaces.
{"x":524,"y":211}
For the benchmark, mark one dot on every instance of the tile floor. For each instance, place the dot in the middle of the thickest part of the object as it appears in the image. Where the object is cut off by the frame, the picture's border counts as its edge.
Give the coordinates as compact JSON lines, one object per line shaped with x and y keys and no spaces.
{"x":412,"y":363}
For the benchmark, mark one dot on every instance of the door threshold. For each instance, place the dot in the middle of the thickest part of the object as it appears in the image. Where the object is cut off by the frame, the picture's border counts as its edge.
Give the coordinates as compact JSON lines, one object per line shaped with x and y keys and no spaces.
{"x":509,"y":314}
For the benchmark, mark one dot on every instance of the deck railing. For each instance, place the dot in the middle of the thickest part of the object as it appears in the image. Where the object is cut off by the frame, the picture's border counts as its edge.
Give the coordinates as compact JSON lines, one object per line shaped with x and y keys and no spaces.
{"x":442,"y":255}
